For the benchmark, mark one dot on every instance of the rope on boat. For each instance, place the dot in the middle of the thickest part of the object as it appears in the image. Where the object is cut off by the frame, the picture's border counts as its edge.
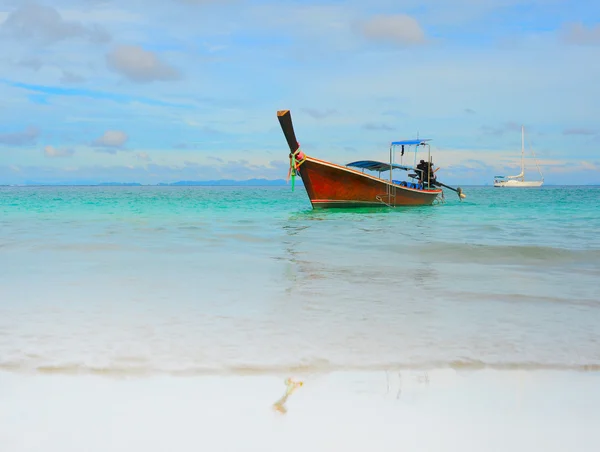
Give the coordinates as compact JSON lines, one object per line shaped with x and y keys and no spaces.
{"x":295,"y":164}
{"x":291,"y":385}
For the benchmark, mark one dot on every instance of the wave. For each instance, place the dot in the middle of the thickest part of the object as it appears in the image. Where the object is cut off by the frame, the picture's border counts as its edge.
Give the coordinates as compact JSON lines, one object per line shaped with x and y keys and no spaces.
{"x":319,"y":367}
{"x":499,"y":254}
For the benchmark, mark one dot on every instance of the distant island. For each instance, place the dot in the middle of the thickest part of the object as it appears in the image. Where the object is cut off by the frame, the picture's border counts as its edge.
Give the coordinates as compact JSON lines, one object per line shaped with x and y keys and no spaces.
{"x":227,"y":182}
{"x":182,"y":183}
{"x":118,"y":184}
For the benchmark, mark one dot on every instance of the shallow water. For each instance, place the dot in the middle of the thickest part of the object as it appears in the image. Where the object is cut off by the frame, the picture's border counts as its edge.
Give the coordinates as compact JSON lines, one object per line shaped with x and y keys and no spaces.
{"x":192,"y":280}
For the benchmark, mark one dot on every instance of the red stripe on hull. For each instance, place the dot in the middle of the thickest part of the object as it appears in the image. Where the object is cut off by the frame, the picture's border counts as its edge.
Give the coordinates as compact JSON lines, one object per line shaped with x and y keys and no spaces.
{"x":330,"y":185}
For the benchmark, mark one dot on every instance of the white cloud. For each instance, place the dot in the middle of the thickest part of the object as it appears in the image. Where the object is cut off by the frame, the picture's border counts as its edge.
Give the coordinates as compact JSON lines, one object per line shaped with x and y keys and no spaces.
{"x":103,"y":15}
{"x":579,"y":34}
{"x":32,"y":20}
{"x":580,"y":131}
{"x":52,"y":152}
{"x":590,"y":166}
{"x":31,"y":63}
{"x":143,"y":156}
{"x":71,"y":78}
{"x":206,"y":2}
{"x":319,"y":114}
{"x":398,"y":29}
{"x":139,"y":65}
{"x":147,"y":172}
{"x":27,"y":136}
{"x":377,"y":126}
{"x":111,"y":139}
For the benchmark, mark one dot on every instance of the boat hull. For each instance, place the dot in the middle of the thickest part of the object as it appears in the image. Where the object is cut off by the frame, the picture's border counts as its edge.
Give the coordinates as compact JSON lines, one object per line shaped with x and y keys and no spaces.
{"x":518,"y":183}
{"x":329,"y":186}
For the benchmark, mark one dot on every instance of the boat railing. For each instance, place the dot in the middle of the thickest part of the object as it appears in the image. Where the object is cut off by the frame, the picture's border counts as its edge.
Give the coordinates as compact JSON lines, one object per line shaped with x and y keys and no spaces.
{"x":390,"y":195}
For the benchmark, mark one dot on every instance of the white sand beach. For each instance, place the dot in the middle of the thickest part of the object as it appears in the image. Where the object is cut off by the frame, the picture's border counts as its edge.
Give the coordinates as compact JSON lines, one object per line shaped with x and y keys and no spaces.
{"x":441,"y":410}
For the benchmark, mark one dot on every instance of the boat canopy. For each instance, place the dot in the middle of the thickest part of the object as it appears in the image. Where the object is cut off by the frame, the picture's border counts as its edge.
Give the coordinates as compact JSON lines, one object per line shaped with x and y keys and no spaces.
{"x":373,"y":165}
{"x":410,"y":142}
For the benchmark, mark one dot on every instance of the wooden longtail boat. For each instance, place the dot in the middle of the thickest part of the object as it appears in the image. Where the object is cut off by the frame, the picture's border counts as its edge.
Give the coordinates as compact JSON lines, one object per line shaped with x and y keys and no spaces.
{"x":330,"y":185}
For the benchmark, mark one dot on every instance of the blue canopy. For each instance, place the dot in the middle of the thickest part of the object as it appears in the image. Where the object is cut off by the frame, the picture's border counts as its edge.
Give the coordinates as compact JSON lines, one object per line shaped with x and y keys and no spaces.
{"x":410,"y":142}
{"x":372,"y":165}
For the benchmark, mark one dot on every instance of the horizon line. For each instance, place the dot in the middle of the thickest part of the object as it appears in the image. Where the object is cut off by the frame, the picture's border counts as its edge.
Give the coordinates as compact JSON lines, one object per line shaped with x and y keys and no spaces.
{"x":232,"y":183}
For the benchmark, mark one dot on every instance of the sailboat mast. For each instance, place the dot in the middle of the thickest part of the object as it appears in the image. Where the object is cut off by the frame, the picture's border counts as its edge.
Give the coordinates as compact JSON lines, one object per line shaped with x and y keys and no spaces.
{"x":522,"y":152}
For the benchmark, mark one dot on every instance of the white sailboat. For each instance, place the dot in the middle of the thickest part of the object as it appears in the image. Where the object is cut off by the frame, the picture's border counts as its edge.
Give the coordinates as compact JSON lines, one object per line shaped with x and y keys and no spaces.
{"x":519,"y":180}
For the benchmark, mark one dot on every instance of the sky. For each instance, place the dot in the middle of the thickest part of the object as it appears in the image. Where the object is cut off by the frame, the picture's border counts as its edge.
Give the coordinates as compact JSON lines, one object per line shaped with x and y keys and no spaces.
{"x":156,"y":91}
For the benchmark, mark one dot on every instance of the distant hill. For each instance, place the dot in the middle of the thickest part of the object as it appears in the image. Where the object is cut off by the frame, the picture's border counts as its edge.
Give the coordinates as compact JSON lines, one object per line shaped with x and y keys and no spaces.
{"x":227,"y":182}
{"x":119,"y":184}
{"x":206,"y":183}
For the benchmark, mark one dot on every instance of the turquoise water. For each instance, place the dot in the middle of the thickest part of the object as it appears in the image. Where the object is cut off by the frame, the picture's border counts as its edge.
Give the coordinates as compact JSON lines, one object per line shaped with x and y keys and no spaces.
{"x":192,"y":280}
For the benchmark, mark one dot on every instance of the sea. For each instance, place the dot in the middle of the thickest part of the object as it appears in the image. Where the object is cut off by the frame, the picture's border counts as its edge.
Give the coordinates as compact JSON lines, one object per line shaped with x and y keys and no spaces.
{"x":136,"y":283}
{"x":200,"y":280}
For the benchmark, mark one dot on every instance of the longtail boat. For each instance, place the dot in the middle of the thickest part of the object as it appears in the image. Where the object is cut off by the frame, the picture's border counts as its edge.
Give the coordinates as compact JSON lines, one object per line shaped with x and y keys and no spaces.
{"x":330,"y":185}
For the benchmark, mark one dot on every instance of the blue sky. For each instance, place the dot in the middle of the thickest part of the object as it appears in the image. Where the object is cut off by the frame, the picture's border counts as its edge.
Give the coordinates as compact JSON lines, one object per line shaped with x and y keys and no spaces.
{"x":153,"y":91}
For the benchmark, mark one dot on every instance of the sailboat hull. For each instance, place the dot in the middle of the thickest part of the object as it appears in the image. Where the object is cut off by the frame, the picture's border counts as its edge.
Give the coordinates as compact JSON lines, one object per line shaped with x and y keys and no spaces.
{"x":330,"y":185}
{"x":518,"y":183}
